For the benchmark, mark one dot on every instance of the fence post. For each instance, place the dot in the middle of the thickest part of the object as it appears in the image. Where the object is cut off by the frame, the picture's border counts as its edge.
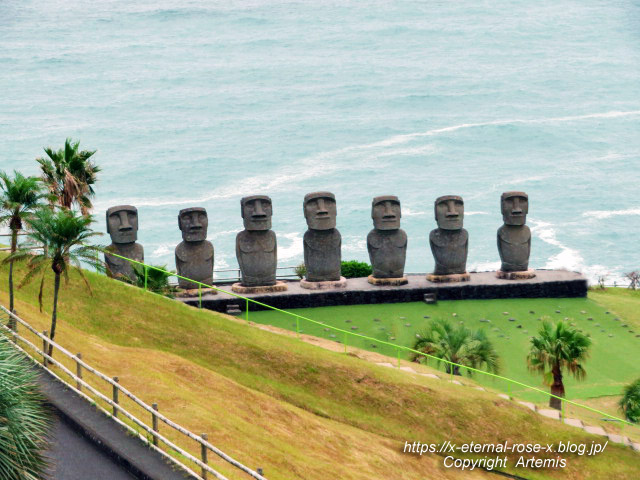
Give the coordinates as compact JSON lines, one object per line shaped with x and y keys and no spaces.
{"x":398,"y":356}
{"x":246,"y":308}
{"x":154,"y":423}
{"x":298,"y":327}
{"x":259,"y":471}
{"x":78,"y":371}
{"x":45,"y":346}
{"x":345,"y":342}
{"x":199,"y":295}
{"x":203,"y":454}
{"x":146,"y":269}
{"x":562,"y":410}
{"x":115,"y":397}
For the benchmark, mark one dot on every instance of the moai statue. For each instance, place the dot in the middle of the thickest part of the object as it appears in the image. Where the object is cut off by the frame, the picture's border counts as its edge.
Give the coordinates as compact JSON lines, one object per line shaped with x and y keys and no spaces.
{"x":449,"y":242}
{"x":122,"y":225}
{"x":256,"y":248}
{"x":194,"y":255}
{"x":387,"y":242}
{"x":322,"y":242}
{"x":514,"y":237}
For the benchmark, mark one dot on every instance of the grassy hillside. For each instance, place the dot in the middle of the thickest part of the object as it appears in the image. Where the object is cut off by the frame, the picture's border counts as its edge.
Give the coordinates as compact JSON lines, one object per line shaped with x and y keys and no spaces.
{"x":294,"y":409}
{"x":509,"y":323}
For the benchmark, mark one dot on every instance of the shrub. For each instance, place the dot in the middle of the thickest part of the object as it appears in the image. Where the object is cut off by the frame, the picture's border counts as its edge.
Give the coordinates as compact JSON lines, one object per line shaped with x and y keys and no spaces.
{"x":354,"y":269}
{"x":157,"y":279}
{"x":630,"y":402}
{"x":301,"y":270}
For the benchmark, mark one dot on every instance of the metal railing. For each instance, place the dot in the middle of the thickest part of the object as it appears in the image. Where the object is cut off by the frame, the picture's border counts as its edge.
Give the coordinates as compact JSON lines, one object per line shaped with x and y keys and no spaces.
{"x":346,"y":334}
{"x":11,"y":330}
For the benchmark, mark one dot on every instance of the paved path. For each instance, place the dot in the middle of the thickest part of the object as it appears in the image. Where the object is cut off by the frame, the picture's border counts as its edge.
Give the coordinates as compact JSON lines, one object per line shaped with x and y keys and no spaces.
{"x":73,"y":457}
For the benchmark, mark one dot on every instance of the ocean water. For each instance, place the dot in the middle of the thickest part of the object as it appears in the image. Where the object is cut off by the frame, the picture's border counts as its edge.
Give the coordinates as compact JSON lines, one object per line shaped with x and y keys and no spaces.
{"x":198,"y":103}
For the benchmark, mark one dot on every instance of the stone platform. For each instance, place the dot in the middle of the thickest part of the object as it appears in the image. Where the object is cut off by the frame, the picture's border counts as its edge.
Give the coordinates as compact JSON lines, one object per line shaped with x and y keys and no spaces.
{"x":483,"y":285}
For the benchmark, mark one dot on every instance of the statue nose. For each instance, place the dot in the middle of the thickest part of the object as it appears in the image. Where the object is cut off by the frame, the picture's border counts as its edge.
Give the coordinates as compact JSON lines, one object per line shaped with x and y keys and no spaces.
{"x":258,"y":211}
{"x":124,"y":223}
{"x":322,"y":209}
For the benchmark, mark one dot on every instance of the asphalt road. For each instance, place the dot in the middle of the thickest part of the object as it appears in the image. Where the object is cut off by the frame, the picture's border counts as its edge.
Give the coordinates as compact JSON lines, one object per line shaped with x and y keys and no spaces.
{"x":73,"y":457}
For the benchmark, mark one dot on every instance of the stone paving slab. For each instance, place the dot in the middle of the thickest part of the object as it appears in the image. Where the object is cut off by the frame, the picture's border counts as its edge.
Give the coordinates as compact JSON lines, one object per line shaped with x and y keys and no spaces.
{"x":430,"y":375}
{"x":595,"y":430}
{"x":529,"y":405}
{"x":618,"y":438}
{"x":505,"y":396}
{"x":636,"y":446}
{"x":574,"y":422}
{"x":482,"y":285}
{"x":457,"y":382}
{"x":408,"y":369}
{"x":550,"y":413}
{"x":385,"y":364}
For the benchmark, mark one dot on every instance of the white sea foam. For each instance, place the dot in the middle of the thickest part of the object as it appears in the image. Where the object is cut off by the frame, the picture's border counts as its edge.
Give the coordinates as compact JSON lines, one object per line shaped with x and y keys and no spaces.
{"x":222,"y":233}
{"x":472,"y":213}
{"x":293,"y":249}
{"x":407,"y":212}
{"x":164,"y":249}
{"x":484,"y":267}
{"x":600,"y":214}
{"x":321,"y":164}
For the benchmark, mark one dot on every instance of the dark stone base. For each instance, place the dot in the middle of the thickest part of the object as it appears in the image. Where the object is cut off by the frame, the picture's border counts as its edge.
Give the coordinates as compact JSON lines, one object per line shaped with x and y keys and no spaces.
{"x":330,"y":284}
{"x":394,"y":282}
{"x":485,"y":285}
{"x":522,"y":275}
{"x":278,"y":287}
{"x":454,"y":277}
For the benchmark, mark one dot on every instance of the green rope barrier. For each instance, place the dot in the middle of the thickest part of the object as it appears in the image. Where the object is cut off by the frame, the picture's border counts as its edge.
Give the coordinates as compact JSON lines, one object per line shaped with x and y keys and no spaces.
{"x":451,"y":364}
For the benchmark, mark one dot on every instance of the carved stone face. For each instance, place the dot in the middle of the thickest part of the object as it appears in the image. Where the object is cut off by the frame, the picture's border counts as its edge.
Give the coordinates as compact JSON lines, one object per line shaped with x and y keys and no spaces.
{"x":385,"y":211}
{"x":193,"y":223}
{"x":449,"y":212}
{"x":256,"y":212}
{"x":122,"y":223}
{"x":515,"y":206}
{"x":320,"y":210}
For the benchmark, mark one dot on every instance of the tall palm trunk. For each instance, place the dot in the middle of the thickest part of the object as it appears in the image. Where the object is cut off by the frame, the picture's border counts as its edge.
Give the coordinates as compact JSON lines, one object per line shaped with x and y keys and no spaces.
{"x":14,"y":247}
{"x":54,"y":315}
{"x":557,"y":388}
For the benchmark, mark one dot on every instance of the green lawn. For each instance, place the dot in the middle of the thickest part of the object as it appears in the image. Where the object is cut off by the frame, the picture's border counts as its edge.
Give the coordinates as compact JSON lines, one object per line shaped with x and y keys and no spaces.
{"x":510,"y":323}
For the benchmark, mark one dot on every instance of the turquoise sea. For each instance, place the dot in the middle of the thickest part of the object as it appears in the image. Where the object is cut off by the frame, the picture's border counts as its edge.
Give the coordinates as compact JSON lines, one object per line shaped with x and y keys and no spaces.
{"x":197,"y":103}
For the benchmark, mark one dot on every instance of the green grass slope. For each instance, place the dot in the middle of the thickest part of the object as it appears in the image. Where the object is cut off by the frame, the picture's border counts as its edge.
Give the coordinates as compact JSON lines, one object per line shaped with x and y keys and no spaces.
{"x":292,"y":408}
{"x":509,"y":323}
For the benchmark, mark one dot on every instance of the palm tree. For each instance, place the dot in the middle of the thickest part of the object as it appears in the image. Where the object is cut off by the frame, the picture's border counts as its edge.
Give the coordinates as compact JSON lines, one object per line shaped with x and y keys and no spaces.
{"x":458,"y":345}
{"x":63,"y":233}
{"x":630,"y":402}
{"x":25,"y":422}
{"x":70,"y":175}
{"x":19,"y":197}
{"x":556,"y":348}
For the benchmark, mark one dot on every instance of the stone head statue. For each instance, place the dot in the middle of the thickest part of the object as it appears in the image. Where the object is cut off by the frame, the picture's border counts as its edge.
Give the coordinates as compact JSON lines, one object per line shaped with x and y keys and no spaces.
{"x":122,"y":224}
{"x":385,"y":211}
{"x":320,"y":210}
{"x":449,"y":211}
{"x":515,"y":206}
{"x":193,"y":223}
{"x":256,"y":212}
